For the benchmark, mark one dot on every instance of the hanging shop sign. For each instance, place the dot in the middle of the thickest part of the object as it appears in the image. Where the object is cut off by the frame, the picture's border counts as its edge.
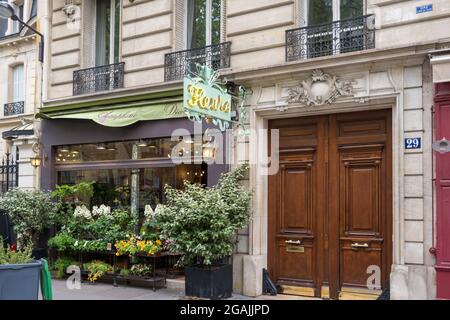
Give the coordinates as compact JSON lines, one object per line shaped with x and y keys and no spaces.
{"x":206,"y":98}
{"x":125,"y":116}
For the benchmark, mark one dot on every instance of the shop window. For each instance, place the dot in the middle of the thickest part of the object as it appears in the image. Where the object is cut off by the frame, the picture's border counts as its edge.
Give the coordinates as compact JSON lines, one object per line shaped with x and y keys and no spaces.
{"x":113,"y":187}
{"x":148,"y":165}
{"x":107,"y":32}
{"x":203,"y":23}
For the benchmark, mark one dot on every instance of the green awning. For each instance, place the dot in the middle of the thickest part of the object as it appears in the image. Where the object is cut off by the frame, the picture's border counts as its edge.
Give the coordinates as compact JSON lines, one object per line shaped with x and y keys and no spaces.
{"x":124,"y":115}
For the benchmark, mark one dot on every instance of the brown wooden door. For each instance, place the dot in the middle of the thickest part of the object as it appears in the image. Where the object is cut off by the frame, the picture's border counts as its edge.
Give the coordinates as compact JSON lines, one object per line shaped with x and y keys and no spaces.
{"x":296,"y":204}
{"x":330,"y":203}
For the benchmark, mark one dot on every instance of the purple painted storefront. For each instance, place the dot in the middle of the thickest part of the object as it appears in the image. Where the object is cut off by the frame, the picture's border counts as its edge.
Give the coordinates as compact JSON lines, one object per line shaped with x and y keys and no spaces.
{"x":78,"y":132}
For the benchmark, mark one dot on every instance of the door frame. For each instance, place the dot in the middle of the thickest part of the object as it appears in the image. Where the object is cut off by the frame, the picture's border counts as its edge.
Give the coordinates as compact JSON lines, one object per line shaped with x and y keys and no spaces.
{"x":258,"y":146}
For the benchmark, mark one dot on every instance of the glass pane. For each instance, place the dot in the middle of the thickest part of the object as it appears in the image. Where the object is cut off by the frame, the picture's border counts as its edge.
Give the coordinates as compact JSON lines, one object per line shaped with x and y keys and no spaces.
{"x":111,"y":187}
{"x":351,"y":9}
{"x":103,"y":31}
{"x":117,"y":32}
{"x":151,"y":185}
{"x":320,"y":11}
{"x":3,"y":27}
{"x":152,"y":149}
{"x":215,"y":16}
{"x":94,"y":152}
{"x":196,"y":21}
{"x":18,"y":87}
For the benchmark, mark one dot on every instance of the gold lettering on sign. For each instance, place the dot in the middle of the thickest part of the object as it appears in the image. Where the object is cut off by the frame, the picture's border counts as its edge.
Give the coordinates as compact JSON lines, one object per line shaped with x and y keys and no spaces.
{"x":201,"y":100}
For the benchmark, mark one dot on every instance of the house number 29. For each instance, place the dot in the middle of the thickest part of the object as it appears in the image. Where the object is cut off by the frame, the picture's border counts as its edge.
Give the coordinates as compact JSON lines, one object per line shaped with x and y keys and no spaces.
{"x":413,"y":143}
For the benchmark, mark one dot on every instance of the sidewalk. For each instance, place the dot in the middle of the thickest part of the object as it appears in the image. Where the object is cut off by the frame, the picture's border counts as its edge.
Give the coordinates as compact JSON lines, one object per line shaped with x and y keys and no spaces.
{"x":100,"y":291}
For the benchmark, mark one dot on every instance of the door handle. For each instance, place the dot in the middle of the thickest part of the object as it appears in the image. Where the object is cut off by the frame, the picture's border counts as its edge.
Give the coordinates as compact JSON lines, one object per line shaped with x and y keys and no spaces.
{"x":294,"y":242}
{"x":357,"y":245}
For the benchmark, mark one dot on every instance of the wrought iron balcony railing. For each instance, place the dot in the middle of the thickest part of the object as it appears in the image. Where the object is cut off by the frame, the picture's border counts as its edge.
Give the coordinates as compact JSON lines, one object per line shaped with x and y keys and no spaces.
{"x":331,"y":38}
{"x":97,"y":79}
{"x":14,"y":108}
{"x":179,"y":64}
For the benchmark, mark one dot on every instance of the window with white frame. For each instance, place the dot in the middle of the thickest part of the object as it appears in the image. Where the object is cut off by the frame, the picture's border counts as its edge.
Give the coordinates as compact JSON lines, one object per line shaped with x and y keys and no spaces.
{"x":18,"y":84}
{"x":324,"y":11}
{"x":107,"y":32}
{"x":203,"y":23}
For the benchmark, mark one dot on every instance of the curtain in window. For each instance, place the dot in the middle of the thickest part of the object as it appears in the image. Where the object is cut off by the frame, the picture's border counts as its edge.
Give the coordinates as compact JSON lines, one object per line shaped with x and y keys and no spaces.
{"x":103,"y":32}
{"x":196,"y":24}
{"x":18,"y":83}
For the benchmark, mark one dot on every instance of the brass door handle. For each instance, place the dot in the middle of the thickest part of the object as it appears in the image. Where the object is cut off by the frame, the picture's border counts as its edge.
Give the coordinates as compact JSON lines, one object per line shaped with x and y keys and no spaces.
{"x":357,"y":245}
{"x":292,"y":242}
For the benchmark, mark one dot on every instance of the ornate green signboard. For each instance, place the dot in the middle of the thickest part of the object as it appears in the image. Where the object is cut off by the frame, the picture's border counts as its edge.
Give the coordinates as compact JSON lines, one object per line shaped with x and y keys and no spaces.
{"x":206,"y":98}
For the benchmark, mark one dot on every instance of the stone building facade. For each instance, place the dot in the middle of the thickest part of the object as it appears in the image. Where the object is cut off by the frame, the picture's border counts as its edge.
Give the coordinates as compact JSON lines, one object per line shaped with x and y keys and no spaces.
{"x":20,"y":92}
{"x":367,"y":62}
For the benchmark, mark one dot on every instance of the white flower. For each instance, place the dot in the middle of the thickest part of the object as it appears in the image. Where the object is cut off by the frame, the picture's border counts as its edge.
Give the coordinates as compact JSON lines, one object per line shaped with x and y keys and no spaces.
{"x":148,"y":212}
{"x":101,"y":211}
{"x":82,"y":211}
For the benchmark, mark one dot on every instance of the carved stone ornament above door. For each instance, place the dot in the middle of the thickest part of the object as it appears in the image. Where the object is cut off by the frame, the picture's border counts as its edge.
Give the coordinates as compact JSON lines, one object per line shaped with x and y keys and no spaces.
{"x":319,"y":89}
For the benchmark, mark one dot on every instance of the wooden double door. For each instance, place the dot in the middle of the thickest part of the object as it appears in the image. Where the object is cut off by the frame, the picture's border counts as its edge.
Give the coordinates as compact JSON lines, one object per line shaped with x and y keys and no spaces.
{"x":330,"y":205}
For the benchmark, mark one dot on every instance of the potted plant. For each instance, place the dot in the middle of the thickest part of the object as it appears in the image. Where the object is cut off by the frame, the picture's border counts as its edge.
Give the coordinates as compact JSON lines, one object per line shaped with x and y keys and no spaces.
{"x":31,"y":212}
{"x":19,"y":274}
{"x":202,"y":223}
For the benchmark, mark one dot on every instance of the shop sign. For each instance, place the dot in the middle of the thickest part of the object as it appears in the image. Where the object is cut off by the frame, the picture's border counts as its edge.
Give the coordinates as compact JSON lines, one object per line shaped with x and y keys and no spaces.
{"x":126,"y":116}
{"x":206,"y":98}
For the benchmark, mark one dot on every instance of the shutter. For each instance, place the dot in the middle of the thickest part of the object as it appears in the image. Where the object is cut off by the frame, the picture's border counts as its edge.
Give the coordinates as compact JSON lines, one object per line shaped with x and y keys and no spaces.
{"x":88,"y":33}
{"x":223,"y":21}
{"x":179,"y":25}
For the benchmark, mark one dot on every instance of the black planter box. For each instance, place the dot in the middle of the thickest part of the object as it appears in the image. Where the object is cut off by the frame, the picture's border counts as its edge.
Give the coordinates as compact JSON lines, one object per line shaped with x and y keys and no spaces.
{"x":209,"y":282}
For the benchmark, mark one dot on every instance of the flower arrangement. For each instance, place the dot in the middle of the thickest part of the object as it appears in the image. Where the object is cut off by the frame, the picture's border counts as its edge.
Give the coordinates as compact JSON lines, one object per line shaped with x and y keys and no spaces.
{"x":141,"y":270}
{"x":102,"y":211}
{"x":96,"y":269}
{"x":134,"y":245}
{"x":82,"y":212}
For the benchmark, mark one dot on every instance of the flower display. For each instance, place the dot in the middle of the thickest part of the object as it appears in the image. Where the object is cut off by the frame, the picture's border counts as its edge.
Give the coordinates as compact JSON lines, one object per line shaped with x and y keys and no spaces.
{"x":134,"y":245}
{"x":102,"y":211}
{"x":82,"y":212}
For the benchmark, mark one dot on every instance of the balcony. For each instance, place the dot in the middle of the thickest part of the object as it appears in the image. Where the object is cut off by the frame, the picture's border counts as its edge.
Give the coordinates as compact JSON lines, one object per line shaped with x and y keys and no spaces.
{"x":179,"y":64}
{"x":14,"y":109}
{"x":331,"y":38}
{"x":103,"y":78}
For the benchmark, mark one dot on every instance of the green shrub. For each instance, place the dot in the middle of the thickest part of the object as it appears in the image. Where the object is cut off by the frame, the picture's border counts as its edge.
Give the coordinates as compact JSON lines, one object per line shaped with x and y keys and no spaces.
{"x":9,"y":256}
{"x":61,"y":265}
{"x":202,"y":222}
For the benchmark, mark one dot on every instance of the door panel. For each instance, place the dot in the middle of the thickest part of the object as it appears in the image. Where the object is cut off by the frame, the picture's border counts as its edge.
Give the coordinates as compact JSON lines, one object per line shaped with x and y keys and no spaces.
{"x":330,"y":203}
{"x":296,"y":204}
{"x":360,"y":197}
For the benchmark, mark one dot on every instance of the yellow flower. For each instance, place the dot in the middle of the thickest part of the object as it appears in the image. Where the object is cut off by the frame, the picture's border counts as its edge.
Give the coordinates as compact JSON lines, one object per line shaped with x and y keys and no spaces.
{"x":158,"y":242}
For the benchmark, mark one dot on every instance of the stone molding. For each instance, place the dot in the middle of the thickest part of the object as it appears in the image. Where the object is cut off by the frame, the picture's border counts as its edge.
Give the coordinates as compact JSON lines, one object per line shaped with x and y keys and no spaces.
{"x":319,"y":89}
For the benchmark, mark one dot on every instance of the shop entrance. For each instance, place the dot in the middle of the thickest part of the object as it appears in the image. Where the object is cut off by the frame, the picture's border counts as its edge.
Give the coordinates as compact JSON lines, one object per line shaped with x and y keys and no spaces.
{"x":330,"y":205}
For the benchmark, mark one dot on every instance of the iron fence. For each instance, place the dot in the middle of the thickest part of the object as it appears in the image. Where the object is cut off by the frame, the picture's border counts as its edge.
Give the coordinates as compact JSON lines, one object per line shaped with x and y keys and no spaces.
{"x":103,"y":78}
{"x":9,"y":173}
{"x":13,"y":108}
{"x":331,"y":38}
{"x":180,"y":64}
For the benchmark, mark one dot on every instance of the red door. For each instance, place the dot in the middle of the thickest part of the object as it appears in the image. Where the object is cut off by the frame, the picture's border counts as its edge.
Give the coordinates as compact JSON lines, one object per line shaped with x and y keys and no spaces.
{"x":443,"y":193}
